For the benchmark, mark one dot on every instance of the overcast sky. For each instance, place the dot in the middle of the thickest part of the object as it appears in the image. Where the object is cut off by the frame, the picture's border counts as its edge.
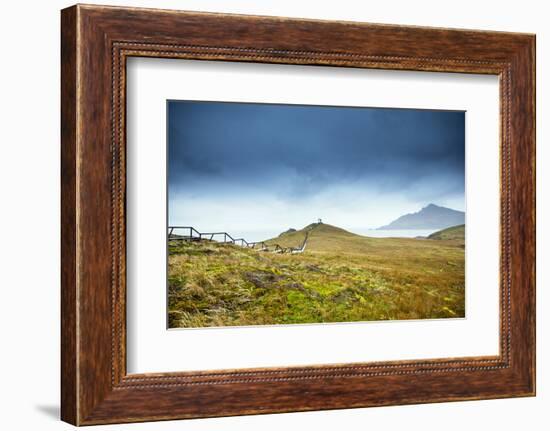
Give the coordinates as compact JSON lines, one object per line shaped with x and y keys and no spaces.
{"x":262,"y":168}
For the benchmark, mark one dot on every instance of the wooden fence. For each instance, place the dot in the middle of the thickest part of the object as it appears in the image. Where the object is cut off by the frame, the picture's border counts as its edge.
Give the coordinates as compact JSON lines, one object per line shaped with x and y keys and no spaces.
{"x":189,"y":233}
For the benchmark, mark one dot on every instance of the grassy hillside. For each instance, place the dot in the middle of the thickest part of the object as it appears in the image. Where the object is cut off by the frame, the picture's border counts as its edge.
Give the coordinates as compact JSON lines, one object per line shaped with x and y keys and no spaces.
{"x":451,"y":233}
{"x":340,"y":277}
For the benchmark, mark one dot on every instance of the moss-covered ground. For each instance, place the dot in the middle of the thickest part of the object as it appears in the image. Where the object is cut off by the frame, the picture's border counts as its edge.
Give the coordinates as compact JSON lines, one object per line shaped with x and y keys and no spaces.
{"x":341,"y":277}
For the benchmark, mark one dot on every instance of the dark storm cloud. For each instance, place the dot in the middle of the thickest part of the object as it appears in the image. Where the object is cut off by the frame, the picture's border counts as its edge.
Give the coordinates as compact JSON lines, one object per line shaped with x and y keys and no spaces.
{"x":293,"y":150}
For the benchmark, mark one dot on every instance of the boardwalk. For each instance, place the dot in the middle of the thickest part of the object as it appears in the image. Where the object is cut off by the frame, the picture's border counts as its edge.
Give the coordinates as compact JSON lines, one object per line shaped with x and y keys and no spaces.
{"x":190,"y":234}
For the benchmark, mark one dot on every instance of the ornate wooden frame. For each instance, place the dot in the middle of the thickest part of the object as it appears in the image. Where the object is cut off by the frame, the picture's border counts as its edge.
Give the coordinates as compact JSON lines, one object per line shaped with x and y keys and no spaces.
{"x":96,"y":41}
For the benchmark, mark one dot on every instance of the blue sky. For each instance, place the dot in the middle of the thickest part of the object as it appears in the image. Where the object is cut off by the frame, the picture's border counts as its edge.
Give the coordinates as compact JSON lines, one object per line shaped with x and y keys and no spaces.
{"x":260,"y":168}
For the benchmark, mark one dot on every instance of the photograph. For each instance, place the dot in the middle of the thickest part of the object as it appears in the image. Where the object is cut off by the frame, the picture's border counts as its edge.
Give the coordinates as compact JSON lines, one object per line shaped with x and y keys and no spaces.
{"x":301,"y":214}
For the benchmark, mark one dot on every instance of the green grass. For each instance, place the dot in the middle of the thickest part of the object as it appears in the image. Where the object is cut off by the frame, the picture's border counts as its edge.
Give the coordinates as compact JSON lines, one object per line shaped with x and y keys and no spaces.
{"x":340,"y":277}
{"x":451,"y":233}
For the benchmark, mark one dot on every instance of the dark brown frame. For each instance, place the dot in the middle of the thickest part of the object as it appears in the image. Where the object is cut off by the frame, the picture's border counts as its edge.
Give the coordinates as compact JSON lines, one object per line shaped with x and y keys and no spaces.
{"x":95,"y":42}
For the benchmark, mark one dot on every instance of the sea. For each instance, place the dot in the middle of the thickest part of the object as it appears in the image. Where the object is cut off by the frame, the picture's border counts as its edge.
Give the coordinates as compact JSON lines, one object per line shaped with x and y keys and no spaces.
{"x":395,"y":233}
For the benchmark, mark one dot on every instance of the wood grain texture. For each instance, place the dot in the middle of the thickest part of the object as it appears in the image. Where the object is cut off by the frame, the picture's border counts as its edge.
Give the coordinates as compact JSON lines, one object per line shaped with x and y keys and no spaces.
{"x":69,"y":366}
{"x":96,"y":41}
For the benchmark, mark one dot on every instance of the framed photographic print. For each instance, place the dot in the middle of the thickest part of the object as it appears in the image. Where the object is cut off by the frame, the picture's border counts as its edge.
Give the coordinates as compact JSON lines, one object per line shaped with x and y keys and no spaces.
{"x":268,"y":215}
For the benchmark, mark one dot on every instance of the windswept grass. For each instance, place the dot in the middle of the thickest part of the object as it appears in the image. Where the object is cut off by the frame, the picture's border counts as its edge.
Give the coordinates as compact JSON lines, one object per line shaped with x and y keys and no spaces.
{"x":341,"y":277}
{"x":451,"y":233}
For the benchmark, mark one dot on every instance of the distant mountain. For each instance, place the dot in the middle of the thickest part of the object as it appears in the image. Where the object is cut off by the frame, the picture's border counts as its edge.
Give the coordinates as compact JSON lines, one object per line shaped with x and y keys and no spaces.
{"x":429,"y":217}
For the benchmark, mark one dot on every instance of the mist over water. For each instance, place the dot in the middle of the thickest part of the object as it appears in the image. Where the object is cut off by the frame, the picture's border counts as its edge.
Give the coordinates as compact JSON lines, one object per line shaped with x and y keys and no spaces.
{"x":396,"y":233}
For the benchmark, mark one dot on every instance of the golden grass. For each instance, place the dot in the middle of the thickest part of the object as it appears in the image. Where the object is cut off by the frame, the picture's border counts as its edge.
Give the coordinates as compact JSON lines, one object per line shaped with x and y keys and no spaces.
{"x":341,"y":277}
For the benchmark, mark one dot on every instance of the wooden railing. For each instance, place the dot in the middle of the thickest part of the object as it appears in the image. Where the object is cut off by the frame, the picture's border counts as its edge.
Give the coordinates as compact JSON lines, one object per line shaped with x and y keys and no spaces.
{"x":192,"y":234}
